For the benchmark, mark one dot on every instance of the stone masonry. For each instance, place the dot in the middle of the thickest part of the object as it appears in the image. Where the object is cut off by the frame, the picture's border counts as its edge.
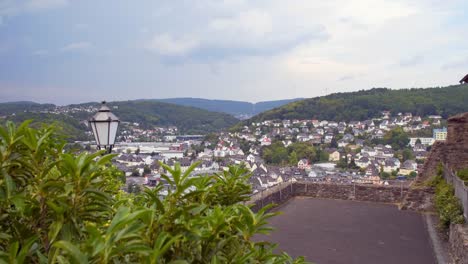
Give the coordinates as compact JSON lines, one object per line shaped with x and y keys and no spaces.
{"x":453,"y":152}
{"x":358,"y":192}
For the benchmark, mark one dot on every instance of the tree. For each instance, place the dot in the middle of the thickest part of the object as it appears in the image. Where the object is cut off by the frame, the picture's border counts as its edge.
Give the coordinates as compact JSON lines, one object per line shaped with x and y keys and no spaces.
{"x":303,"y":150}
{"x":134,"y":188}
{"x":276,"y":153}
{"x":418,"y":141}
{"x":146,"y":170}
{"x":136,"y":173}
{"x":61,"y":208}
{"x":385,"y":175}
{"x":244,"y":145}
{"x":407,"y":154}
{"x":128,"y":151}
{"x":293,"y":159}
{"x":343,"y":163}
{"x":397,"y":138}
{"x":413,"y":174}
{"x":352,"y":164}
{"x":137,"y":151}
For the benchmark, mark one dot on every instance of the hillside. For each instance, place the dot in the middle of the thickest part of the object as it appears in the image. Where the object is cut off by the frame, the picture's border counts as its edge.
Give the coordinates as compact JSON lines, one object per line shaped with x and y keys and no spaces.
{"x":187,"y":119}
{"x":69,"y":127}
{"x":444,"y":101}
{"x":146,"y":113}
{"x":21,"y":106}
{"x":235,"y":108}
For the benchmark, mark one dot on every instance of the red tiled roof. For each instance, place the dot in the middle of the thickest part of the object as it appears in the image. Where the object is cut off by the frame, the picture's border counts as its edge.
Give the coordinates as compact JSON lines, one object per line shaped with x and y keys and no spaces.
{"x":465,"y":79}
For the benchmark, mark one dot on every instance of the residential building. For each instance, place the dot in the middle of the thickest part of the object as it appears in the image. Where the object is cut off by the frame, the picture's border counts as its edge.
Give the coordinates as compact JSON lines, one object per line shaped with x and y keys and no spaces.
{"x":440,"y":134}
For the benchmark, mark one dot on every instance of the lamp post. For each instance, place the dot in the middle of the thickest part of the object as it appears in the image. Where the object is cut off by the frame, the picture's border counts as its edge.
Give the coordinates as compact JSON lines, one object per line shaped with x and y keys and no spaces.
{"x":104,"y":125}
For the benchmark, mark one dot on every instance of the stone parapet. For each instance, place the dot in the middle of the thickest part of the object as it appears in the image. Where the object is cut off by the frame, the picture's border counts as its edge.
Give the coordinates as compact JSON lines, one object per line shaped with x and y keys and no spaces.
{"x":453,"y":153}
{"x":459,"y":243}
{"x":358,"y":192}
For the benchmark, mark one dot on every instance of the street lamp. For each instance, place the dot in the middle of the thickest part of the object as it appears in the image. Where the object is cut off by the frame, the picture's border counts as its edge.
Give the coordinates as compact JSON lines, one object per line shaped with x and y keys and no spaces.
{"x":104,"y":125}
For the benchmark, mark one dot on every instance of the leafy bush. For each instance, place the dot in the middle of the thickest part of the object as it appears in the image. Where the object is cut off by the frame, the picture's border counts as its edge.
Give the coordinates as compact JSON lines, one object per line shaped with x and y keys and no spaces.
{"x":447,"y":204}
{"x":463,"y":175}
{"x":60,"y":208}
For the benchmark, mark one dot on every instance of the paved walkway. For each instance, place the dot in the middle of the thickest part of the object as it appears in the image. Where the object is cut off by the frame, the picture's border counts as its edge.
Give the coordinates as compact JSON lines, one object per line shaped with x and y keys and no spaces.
{"x":332,"y":231}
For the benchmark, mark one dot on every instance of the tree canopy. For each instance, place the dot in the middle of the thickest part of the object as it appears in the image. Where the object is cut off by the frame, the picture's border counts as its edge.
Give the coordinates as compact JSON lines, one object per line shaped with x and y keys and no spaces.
{"x":366,"y":104}
{"x":57,"y":207}
{"x":277,"y":153}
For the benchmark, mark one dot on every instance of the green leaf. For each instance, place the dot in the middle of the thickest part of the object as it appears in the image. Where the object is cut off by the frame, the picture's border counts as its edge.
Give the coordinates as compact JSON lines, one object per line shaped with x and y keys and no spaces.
{"x":72,"y":250}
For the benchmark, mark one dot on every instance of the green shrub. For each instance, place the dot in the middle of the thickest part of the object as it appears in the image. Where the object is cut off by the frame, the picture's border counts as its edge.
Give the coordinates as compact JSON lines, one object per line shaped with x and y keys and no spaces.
{"x":463,"y":175}
{"x":447,"y":205}
{"x":61,"y":208}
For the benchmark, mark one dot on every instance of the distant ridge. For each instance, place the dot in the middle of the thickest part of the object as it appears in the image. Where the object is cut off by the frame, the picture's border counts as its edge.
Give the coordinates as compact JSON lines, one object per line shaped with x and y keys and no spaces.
{"x":238,"y":109}
{"x":148,"y":113}
{"x":21,"y":106}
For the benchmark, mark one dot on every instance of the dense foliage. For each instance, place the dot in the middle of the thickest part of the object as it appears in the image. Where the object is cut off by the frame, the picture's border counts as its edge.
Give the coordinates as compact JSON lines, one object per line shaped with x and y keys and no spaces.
{"x":397,"y":138}
{"x":57,"y":207}
{"x":147,"y":113}
{"x":69,"y":127}
{"x":463,"y":174}
{"x":187,"y":119}
{"x":278,"y":154}
{"x":22,"y":106}
{"x":447,"y":204}
{"x":367,"y":104}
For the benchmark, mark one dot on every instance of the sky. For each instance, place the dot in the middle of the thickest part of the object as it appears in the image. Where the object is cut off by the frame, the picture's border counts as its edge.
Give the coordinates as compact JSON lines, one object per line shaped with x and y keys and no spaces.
{"x":72,"y":51}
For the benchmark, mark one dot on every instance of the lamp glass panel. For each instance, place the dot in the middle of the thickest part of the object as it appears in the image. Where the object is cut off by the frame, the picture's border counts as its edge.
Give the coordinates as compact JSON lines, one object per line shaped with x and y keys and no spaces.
{"x":113,"y":132}
{"x":96,"y":137}
{"x":103,"y":133}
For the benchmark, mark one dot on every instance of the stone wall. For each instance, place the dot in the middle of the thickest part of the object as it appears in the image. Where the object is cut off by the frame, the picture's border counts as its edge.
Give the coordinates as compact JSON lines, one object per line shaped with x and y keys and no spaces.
{"x":281,"y":194}
{"x":358,"y":192}
{"x":453,"y":153}
{"x":429,"y":168}
{"x":419,"y":199}
{"x":459,"y":243}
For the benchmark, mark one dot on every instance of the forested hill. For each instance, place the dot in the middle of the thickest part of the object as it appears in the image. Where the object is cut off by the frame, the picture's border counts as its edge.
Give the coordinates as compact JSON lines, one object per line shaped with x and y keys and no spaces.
{"x":361,"y":105}
{"x":23,"y":106}
{"x":187,"y":119}
{"x":235,"y":108}
{"x":146,"y":113}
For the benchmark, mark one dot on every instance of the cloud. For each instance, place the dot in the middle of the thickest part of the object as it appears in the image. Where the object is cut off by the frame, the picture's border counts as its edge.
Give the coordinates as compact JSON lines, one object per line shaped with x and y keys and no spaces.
{"x":77,"y":46}
{"x":44,"y":4}
{"x":11,"y":8}
{"x":234,"y":33}
{"x":346,"y":78}
{"x":456,"y":64}
{"x":412,"y":61}
{"x":255,"y":50}
{"x":81,"y":26}
{"x":41,"y":52}
{"x":167,"y":45}
{"x":248,"y":24}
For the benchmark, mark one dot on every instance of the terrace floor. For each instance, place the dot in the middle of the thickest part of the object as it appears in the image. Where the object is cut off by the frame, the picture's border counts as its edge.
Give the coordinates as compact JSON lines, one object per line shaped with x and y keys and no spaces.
{"x":335,"y":231}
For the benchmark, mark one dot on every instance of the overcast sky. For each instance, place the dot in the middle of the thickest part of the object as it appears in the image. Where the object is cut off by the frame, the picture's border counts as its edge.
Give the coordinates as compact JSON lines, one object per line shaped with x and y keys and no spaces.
{"x":64,"y":52}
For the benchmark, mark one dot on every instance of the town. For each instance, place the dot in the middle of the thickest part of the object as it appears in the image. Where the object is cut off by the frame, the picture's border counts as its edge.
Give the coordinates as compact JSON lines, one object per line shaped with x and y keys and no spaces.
{"x":383,"y":151}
